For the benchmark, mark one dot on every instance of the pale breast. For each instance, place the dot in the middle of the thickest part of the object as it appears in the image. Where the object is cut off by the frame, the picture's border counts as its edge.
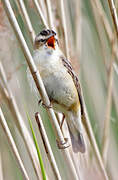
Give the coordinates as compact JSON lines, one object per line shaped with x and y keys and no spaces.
{"x":47,"y":62}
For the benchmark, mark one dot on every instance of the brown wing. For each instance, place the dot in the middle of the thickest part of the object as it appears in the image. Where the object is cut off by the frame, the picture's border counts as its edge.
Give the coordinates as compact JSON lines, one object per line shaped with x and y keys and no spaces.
{"x":70,"y":70}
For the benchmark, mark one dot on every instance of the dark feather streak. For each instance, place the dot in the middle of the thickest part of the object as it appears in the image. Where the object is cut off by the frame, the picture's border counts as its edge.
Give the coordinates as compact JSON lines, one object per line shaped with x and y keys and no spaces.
{"x":47,"y":32}
{"x":70,"y":70}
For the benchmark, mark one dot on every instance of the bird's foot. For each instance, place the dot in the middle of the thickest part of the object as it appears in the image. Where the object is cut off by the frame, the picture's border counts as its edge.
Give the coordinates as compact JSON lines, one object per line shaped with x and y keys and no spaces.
{"x":44,"y":105}
{"x":63,"y":145}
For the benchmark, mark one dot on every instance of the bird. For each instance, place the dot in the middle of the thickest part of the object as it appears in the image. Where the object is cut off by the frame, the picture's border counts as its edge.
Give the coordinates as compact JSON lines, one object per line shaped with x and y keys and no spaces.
{"x":61,"y":84}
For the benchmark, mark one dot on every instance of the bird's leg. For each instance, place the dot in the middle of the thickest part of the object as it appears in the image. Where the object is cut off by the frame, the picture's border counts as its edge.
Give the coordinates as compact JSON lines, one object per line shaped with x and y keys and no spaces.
{"x":61,"y":124}
{"x":44,"y":105}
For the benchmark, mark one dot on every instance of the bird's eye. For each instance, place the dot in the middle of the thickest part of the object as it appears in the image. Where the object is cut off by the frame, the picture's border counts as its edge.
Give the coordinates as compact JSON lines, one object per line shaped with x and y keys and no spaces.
{"x":41,"y":40}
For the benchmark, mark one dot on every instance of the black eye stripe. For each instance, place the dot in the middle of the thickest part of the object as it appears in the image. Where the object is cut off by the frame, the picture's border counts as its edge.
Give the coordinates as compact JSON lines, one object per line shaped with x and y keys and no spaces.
{"x":42,"y":40}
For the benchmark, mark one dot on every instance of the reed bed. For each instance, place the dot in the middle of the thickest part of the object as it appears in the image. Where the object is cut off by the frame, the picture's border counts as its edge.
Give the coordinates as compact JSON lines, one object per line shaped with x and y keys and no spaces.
{"x":88,"y":34}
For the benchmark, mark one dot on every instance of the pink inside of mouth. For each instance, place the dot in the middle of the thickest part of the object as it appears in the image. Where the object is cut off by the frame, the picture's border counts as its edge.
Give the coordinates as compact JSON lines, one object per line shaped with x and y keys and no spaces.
{"x":51,"y":42}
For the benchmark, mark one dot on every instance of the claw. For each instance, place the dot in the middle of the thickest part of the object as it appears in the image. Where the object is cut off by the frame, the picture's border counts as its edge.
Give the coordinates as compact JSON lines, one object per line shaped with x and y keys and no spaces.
{"x":62,"y":145}
{"x":46,"y":106}
{"x":43,"y":104}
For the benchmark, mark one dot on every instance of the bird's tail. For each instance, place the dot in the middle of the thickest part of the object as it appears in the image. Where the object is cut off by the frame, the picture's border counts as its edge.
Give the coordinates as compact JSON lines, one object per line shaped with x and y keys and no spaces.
{"x":75,"y":130}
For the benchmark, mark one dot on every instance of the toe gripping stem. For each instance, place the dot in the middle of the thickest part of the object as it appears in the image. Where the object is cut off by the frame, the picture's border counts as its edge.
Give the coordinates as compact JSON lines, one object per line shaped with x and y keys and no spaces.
{"x":44,"y":105}
{"x":63,"y":145}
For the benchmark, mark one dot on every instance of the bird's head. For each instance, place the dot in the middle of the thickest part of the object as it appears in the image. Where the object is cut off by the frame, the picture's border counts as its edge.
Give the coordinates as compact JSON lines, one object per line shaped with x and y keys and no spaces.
{"x":46,"y":39}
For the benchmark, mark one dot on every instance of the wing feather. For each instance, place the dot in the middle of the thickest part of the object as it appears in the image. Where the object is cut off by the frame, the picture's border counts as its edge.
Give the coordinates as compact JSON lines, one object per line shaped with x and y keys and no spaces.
{"x":70,"y":70}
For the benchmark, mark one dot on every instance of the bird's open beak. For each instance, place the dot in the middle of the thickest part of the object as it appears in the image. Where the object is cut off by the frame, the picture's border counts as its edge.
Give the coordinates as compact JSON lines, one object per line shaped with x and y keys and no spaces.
{"x":51,"y":42}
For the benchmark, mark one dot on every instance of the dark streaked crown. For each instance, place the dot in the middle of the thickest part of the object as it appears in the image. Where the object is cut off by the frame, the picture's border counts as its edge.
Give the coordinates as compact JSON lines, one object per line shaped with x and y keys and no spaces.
{"x":47,"y":32}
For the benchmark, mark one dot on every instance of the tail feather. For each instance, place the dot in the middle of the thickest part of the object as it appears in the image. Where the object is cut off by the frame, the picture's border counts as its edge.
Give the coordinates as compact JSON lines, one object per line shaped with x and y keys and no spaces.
{"x":75,"y":130}
{"x":78,"y":144}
